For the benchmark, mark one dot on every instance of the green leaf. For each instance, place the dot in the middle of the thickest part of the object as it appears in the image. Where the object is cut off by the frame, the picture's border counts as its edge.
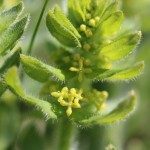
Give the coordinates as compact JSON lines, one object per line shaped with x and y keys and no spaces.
{"x":121,"y":47}
{"x":112,"y":8}
{"x":111,"y":24}
{"x":122,"y":110}
{"x":13,"y":83}
{"x":65,"y":22}
{"x":38,"y":70}
{"x":122,"y":74}
{"x":101,"y":6}
{"x":128,"y":73}
{"x":61,"y":31}
{"x":75,"y":12}
{"x":12,"y":59}
{"x":12,"y":34}
{"x":9,"y":16}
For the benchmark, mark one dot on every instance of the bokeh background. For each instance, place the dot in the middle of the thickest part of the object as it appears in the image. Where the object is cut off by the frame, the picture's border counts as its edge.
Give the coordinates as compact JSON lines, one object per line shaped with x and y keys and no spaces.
{"x":23,"y":128}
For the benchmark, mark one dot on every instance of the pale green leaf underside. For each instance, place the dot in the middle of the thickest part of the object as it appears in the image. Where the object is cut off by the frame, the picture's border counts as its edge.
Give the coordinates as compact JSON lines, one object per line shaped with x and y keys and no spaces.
{"x":13,"y":83}
{"x":39,"y":70}
{"x":61,"y":32}
{"x":121,"y":47}
{"x":9,"y":38}
{"x":122,"y":110}
{"x":122,"y":74}
{"x":101,"y":6}
{"x":112,"y":8}
{"x":111,"y":24}
{"x":9,"y":16}
{"x":12,"y":58}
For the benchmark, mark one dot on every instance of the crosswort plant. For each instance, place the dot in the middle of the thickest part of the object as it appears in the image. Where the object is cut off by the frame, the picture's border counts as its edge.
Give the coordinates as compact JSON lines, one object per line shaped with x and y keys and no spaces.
{"x":92,"y":38}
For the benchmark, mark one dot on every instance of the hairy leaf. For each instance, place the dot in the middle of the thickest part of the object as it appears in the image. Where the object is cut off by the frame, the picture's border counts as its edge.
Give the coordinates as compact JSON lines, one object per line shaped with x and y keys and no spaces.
{"x":121,"y":47}
{"x":65,"y":22}
{"x":128,"y":73}
{"x":101,"y":6}
{"x":38,"y":70}
{"x":122,"y":110}
{"x":122,"y":74}
{"x":111,"y":24}
{"x":61,"y":31}
{"x":13,"y":83}
{"x":12,"y":34}
{"x":12,"y":59}
{"x":112,"y":8}
{"x":9,"y":16}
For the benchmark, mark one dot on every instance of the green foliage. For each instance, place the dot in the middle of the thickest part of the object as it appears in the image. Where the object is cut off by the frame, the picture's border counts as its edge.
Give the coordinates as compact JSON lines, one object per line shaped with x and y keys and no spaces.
{"x":86,"y":59}
{"x":10,"y":30}
{"x":121,"y":47}
{"x":120,"y":112}
{"x":93,"y":41}
{"x":9,"y":16}
{"x":122,"y":74}
{"x":11,"y":59}
{"x":38,"y":70}
{"x":9,"y":37}
{"x":111,"y":24}
{"x":62,"y":29}
{"x":13,"y":84}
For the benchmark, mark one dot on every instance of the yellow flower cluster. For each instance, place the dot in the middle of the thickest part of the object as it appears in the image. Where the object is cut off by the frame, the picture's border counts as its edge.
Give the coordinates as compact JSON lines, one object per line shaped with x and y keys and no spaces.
{"x":69,"y":98}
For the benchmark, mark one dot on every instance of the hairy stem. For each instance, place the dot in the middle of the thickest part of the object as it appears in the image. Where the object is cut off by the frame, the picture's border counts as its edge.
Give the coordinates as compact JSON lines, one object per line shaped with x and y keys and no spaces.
{"x":36,"y":28}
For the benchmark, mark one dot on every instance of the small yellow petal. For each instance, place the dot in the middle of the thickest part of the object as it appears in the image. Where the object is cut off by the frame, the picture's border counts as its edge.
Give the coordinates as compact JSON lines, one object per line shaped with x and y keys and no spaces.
{"x":55,"y":94}
{"x":63,"y":103}
{"x":74,"y":69}
{"x":73,"y":92}
{"x":69,"y":111}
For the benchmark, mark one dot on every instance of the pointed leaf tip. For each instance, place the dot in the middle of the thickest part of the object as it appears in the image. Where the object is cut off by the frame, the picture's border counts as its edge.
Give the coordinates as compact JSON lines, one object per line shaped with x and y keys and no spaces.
{"x":9,"y":16}
{"x":122,"y":47}
{"x":122,"y":74}
{"x":9,"y":38}
{"x":122,"y":110}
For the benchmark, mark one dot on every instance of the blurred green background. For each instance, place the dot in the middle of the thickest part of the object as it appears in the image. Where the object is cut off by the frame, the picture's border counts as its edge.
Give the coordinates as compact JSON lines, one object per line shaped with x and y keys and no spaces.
{"x":23,"y":128}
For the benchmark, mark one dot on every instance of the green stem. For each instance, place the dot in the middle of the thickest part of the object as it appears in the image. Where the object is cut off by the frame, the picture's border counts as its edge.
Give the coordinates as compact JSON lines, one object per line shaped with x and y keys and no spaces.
{"x":36,"y":28}
{"x":66,"y":134}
